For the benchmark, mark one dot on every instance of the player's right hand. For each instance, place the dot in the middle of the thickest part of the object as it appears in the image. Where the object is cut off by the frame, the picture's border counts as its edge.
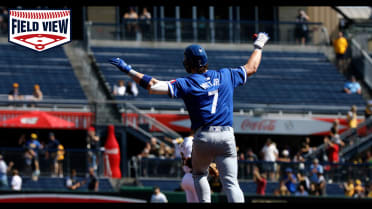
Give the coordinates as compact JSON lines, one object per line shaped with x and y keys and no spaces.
{"x":261,"y":40}
{"x":119,"y":63}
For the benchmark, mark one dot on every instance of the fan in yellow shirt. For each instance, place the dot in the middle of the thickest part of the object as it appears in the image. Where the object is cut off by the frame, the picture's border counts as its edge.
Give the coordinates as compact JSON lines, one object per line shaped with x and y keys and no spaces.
{"x":349,"y":188}
{"x":340,"y":46}
{"x":60,"y":158}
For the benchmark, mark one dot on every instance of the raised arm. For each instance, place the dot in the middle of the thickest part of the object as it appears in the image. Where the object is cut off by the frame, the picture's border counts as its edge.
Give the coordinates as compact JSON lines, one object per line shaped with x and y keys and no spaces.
{"x":255,"y":59}
{"x":147,"y":82}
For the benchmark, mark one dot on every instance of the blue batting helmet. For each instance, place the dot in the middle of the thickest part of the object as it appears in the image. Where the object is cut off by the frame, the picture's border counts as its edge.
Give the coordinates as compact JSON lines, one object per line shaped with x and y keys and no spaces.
{"x":195,"y":56}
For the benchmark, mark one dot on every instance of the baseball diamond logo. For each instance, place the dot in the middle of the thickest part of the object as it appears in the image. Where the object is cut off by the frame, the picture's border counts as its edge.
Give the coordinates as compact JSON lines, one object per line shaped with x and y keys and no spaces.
{"x":39,"y":29}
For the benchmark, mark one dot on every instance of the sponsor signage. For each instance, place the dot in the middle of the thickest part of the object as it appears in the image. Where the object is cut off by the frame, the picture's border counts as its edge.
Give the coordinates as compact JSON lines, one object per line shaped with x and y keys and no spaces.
{"x":39,"y":29}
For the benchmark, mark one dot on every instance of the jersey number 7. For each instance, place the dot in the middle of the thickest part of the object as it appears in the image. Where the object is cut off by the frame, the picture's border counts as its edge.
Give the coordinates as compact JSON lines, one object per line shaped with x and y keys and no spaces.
{"x":215,"y":98}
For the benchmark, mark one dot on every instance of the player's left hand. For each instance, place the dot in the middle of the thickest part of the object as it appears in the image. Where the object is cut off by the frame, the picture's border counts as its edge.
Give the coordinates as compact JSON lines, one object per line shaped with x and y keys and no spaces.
{"x":119,"y":63}
{"x":261,"y":40}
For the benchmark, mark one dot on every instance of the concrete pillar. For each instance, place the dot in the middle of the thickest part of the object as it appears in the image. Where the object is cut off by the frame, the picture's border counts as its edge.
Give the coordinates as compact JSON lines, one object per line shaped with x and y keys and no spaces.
{"x":211,"y":24}
{"x":237,"y":29}
{"x":155,"y":22}
{"x":162,"y":25}
{"x":256,"y":26}
{"x":194,"y":23}
{"x":178,"y":24}
{"x":231,"y":25}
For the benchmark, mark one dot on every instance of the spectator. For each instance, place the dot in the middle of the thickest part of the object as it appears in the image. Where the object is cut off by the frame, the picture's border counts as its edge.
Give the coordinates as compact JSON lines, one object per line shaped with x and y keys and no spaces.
{"x":270,"y":154}
{"x":301,"y":191}
{"x":349,"y":188}
{"x":71,"y":181}
{"x":16,"y":181}
{"x":260,"y":180}
{"x":290,"y":180}
{"x":37,"y":93}
{"x":334,"y":132}
{"x":368,"y":161}
{"x":313,"y":190}
{"x":154,"y":151}
{"x":158,"y":196}
{"x":145,"y":152}
{"x":60,"y":158}
{"x":369,"y":194}
{"x":4,"y":17}
{"x":306,"y":147}
{"x":368,"y":110}
{"x":332,"y":149}
{"x":283,"y":190}
{"x":51,"y":153}
{"x":303,"y":180}
{"x":352,"y":117}
{"x":285,"y":156}
{"x":162,"y":150}
{"x":132,"y":88}
{"x":93,"y":143}
{"x":315,"y":167}
{"x":33,"y":146}
{"x":298,"y":158}
{"x":93,"y":182}
{"x":321,"y":183}
{"x":175,"y":142}
{"x":359,"y":189}
{"x":251,"y":157}
{"x":284,"y":161}
{"x":242,"y":167}
{"x":302,"y":28}
{"x":169,"y":152}
{"x":340,"y":46}
{"x":145,"y":18}
{"x":4,"y":170}
{"x":14,"y":94}
{"x":352,"y":86}
{"x":28,"y":162}
{"x":131,"y":23}
{"x":120,"y":89}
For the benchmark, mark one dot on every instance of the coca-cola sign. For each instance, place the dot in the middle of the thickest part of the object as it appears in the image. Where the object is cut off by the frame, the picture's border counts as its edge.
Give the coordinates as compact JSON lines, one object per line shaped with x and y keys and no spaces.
{"x":258,"y":125}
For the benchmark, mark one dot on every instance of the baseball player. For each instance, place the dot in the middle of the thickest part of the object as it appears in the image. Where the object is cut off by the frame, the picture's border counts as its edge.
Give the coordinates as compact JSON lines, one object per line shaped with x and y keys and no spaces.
{"x":187,"y":182}
{"x":208,"y":96}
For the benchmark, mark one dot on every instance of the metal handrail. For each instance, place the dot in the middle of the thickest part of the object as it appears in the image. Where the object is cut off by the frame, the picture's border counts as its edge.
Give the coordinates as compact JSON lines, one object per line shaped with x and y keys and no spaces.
{"x":345,"y":136}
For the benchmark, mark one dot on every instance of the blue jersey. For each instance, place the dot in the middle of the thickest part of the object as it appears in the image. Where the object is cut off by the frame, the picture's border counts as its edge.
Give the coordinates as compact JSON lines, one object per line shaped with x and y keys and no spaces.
{"x":209,"y":96}
{"x":34,"y":145}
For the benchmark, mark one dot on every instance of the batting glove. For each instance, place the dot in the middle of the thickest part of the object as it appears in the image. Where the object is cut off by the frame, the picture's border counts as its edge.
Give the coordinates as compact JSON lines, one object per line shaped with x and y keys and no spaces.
{"x":119,"y":63}
{"x":261,"y":40}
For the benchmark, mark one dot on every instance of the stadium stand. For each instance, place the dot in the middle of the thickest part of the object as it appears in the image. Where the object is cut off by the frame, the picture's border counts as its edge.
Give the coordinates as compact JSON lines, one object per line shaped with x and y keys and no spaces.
{"x":288,"y":78}
{"x":248,"y":187}
{"x":58,"y":184}
{"x":51,"y":70}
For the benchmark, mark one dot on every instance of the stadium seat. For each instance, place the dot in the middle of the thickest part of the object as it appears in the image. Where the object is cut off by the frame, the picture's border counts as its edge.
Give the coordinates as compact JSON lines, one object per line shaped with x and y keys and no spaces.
{"x":50,"y":69}
{"x":295,"y":78}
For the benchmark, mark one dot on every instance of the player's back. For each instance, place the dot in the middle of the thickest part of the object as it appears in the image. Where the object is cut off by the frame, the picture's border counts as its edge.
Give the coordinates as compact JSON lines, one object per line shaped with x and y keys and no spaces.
{"x":209,"y":96}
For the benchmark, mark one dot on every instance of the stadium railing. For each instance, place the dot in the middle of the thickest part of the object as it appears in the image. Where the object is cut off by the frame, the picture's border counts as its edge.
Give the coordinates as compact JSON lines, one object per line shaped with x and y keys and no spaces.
{"x":163,"y":167}
{"x":73,"y":159}
{"x":190,"y":30}
{"x":354,"y":139}
{"x":361,"y":61}
{"x":156,"y":167}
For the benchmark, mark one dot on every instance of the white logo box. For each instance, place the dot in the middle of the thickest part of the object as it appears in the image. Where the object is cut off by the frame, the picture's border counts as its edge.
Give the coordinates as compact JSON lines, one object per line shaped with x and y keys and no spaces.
{"x":40,"y":29}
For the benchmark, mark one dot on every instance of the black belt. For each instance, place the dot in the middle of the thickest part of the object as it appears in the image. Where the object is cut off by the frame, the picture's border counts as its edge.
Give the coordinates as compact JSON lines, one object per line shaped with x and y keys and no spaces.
{"x":217,"y":128}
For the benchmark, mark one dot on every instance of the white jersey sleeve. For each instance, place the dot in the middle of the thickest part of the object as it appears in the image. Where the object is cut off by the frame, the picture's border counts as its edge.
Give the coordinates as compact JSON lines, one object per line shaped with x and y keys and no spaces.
{"x":186,"y":149}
